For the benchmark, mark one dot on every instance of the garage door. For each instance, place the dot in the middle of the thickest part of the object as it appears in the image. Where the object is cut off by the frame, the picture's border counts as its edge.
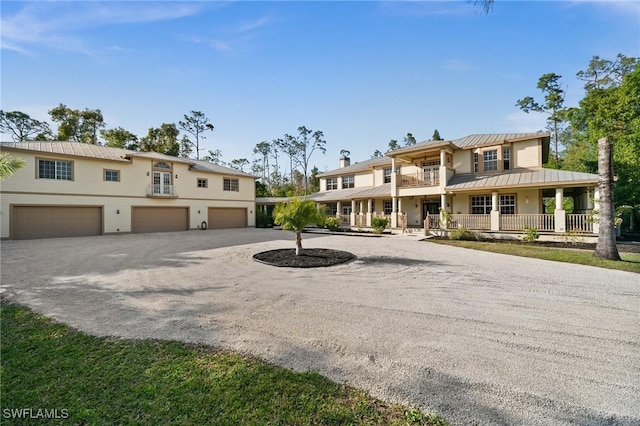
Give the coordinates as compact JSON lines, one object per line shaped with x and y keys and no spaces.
{"x":29,"y":222}
{"x":159,"y":219}
{"x":223,"y":218}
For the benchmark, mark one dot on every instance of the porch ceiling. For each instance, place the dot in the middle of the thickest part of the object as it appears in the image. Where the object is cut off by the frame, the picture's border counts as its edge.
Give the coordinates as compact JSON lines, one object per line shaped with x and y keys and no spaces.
{"x":522,"y":179}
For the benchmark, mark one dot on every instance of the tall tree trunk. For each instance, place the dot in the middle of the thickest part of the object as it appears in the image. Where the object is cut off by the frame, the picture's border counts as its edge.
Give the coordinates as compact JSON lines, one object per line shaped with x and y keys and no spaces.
{"x":299,"y":249}
{"x":606,"y":247}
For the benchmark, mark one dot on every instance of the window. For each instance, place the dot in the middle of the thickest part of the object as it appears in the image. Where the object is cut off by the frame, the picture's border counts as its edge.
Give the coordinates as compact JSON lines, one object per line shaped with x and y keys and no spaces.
{"x":481,"y":204}
{"x":332,"y":209}
{"x":388,"y":207}
{"x":490,"y":160}
{"x":332,"y":183}
{"x":348,"y":182}
{"x":508,"y":204}
{"x":161,"y":166}
{"x":55,"y":169}
{"x":112,"y":175}
{"x":202,"y":183}
{"x":506,"y":158}
{"x":387,"y":173}
{"x":475,"y":162}
{"x":230,"y":184}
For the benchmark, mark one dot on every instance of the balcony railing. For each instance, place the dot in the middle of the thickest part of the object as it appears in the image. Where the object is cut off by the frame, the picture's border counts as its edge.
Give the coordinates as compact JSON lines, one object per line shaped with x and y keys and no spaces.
{"x":579,"y":223}
{"x":518,"y":222}
{"x":163,"y":191}
{"x":417,"y":179}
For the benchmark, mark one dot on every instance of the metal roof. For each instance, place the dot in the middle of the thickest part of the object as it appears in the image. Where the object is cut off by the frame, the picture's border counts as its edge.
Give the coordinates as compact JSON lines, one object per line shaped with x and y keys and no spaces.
{"x":520,"y":178}
{"x":359,"y":167}
{"x":472,"y":141}
{"x":353,"y":193}
{"x":205,"y":166}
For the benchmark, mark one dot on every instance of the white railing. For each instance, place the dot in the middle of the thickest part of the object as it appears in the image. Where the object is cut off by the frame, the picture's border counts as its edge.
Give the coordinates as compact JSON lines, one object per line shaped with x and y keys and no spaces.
{"x":579,"y":223}
{"x":518,"y":222}
{"x":419,"y":179}
{"x":345,"y":218}
{"x":471,"y":221}
{"x":155,"y":190}
{"x":361,"y":220}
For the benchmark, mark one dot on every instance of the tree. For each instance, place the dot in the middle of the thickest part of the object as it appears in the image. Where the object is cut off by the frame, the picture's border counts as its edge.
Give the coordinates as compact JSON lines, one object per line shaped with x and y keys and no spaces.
{"x":78,"y":126}
{"x":314,"y":180}
{"x":295,"y":215}
{"x":239,"y":163}
{"x":393,"y":145}
{"x":549,"y":84}
{"x":436,"y":136}
{"x":485,"y":5}
{"x":9,"y":165}
{"x":288,"y":146}
{"x":163,"y":140}
{"x":120,"y":138}
{"x":409,"y":140}
{"x":345,"y":153}
{"x":21,"y":126}
{"x":195,"y":124}
{"x":377,"y":153}
{"x":603,"y":74}
{"x":305,"y":144}
{"x":606,"y":247}
{"x":214,"y":157}
{"x":264,"y":148}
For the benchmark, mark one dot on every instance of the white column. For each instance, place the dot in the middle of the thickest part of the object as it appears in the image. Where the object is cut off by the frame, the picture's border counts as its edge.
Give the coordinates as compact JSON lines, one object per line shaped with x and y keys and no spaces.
{"x":352,"y":219}
{"x":338,"y":209}
{"x":560,"y":217}
{"x":443,"y":157}
{"x":394,"y":212}
{"x":590,"y":199}
{"x":361,"y":213}
{"x":369,"y":212}
{"x":394,"y":178}
{"x":596,"y":208}
{"x":495,"y":212}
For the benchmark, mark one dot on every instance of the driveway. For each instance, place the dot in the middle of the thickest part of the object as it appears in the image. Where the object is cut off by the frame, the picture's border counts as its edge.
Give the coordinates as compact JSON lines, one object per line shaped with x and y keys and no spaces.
{"x":477,"y":337}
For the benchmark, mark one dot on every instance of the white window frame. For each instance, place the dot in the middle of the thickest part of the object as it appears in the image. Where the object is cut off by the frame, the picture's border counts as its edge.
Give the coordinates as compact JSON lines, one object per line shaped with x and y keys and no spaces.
{"x":62,"y":169}
{"x":348,"y":182}
{"x":332,"y":184}
{"x":387,"y":207}
{"x":230,"y":184}
{"x":506,"y":158}
{"x":507,"y":203}
{"x":490,"y":160}
{"x":203,"y":181}
{"x":109,"y":173}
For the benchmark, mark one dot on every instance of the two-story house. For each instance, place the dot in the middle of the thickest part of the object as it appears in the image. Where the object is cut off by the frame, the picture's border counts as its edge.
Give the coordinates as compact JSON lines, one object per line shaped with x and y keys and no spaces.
{"x":75,"y":189}
{"x":484,"y":182}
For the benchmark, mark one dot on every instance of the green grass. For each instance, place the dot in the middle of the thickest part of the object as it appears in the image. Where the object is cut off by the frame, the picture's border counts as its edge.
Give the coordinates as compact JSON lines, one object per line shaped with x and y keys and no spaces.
{"x":98,"y":381}
{"x":630,"y":261}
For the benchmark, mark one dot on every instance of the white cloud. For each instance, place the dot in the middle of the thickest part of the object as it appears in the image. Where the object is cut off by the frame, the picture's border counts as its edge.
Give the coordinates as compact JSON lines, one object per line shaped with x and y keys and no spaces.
{"x":255,"y":24}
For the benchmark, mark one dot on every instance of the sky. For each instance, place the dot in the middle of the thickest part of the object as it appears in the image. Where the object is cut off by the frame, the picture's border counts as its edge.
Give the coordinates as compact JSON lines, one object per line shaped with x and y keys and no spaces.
{"x":362,"y":72}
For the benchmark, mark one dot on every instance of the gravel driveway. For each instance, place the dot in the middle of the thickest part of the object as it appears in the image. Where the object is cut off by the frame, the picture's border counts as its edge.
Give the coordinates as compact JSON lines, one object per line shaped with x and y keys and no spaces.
{"x":477,"y":337}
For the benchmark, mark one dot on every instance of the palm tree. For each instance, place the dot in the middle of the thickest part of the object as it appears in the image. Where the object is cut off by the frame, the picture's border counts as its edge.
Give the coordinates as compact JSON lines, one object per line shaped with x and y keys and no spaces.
{"x":606,"y":247}
{"x":9,"y":165}
{"x":295,"y":215}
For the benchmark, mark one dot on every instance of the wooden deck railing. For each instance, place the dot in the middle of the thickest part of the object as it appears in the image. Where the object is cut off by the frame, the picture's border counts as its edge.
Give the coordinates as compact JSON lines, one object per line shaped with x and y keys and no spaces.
{"x":579,"y":223}
{"x":518,"y":222}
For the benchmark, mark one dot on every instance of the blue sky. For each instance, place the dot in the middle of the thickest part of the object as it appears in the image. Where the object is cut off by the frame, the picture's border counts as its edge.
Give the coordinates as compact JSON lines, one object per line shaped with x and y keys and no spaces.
{"x":362,"y":72}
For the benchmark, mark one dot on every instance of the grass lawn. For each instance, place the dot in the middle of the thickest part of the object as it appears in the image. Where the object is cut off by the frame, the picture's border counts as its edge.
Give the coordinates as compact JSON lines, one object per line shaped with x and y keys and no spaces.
{"x":99,"y":381}
{"x":630,"y":261}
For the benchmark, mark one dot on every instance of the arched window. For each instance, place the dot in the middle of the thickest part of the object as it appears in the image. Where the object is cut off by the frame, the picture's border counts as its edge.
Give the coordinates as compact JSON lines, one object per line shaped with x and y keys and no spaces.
{"x":162,"y":165}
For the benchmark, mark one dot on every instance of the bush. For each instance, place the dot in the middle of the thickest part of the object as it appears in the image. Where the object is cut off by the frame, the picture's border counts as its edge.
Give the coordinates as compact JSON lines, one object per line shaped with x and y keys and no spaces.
{"x":530,"y":234}
{"x":463,"y":234}
{"x":263,"y":220}
{"x":379,"y":224}
{"x":332,"y":223}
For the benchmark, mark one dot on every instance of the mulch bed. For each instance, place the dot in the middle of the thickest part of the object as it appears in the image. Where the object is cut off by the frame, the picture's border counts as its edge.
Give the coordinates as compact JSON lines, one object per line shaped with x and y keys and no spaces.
{"x":310,"y":258}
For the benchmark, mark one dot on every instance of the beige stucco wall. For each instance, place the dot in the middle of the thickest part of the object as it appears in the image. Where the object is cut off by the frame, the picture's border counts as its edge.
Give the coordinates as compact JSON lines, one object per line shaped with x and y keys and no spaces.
{"x":462,"y":161}
{"x":527,"y":154}
{"x":528,"y":201}
{"x":89,"y":189}
{"x":364,"y":179}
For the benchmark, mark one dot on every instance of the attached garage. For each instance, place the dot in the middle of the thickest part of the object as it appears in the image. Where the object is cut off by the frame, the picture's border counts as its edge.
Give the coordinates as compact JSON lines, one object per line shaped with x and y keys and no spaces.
{"x":227,"y":217}
{"x":159,"y":219}
{"x":31,"y":222}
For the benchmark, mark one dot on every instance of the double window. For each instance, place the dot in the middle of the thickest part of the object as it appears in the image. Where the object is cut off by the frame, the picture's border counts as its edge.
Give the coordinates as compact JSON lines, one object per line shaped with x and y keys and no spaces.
{"x":387,"y":173}
{"x":348,"y":182}
{"x":55,"y":169}
{"x":481,"y":204}
{"x":230,"y":185}
{"x":332,"y":183}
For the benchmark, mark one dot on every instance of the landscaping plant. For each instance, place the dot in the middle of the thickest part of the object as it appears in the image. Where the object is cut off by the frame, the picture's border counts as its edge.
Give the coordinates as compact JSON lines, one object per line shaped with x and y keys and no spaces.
{"x":530,"y":234}
{"x":295,"y":215}
{"x":379,"y":224}
{"x":332,"y":223}
{"x":463,"y":234}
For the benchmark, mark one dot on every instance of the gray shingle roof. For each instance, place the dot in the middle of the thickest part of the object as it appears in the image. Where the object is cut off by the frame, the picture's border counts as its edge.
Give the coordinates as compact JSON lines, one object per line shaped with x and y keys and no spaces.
{"x":521,"y":178}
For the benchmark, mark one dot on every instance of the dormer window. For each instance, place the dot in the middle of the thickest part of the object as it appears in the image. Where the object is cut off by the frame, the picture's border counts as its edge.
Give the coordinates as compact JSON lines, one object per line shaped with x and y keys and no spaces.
{"x":490,"y":160}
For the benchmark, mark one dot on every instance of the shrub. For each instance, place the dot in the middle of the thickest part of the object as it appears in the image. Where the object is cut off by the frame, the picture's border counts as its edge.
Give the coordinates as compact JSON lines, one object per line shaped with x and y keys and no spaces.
{"x":530,"y":234}
{"x":263,"y":220}
{"x":332,"y":223}
{"x":463,"y":234}
{"x":379,"y":224}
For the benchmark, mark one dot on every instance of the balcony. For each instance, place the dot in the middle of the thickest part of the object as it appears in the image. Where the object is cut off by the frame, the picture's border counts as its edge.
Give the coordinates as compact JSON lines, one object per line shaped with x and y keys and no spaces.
{"x":419,"y":179}
{"x":161,"y":191}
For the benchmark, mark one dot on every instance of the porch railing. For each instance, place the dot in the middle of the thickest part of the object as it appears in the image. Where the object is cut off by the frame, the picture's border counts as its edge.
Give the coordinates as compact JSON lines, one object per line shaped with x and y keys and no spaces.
{"x":432,"y":221}
{"x":419,"y":179}
{"x":517,"y":222}
{"x":345,"y":218}
{"x":361,"y":220}
{"x":471,"y":221}
{"x":579,"y":223}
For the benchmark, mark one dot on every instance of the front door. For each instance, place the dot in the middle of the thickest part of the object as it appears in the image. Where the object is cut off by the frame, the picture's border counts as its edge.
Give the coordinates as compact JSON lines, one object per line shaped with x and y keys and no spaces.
{"x":431,"y":208}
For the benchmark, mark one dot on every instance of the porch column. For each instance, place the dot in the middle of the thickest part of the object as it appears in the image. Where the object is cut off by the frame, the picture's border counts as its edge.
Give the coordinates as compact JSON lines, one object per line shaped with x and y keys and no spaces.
{"x":495,"y":212}
{"x":361,"y":213}
{"x":596,"y":208}
{"x":443,"y":208}
{"x":339,"y":210}
{"x":560,"y":217}
{"x":590,"y":199}
{"x":394,"y":212}
{"x":443,"y":157}
{"x":369,"y":206}
{"x":394,"y":178}
{"x":352,"y":219}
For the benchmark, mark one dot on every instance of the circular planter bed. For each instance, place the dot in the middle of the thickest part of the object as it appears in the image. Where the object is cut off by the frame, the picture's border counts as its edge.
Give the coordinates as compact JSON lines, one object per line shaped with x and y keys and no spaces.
{"x":310,"y":258}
